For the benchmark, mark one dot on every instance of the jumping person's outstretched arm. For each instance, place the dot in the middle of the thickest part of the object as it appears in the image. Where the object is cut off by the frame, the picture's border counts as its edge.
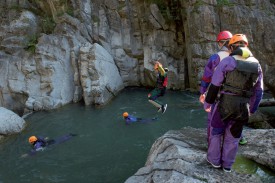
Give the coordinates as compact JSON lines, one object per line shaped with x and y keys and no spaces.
{"x":161,"y":69}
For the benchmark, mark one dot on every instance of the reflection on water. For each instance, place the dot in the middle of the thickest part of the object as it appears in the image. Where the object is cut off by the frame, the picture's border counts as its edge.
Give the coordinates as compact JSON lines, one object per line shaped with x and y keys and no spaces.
{"x":105,"y":149}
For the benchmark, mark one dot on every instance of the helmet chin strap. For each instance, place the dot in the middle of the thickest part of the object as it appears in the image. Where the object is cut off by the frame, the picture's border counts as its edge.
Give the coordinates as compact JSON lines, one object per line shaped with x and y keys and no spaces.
{"x":220,"y":47}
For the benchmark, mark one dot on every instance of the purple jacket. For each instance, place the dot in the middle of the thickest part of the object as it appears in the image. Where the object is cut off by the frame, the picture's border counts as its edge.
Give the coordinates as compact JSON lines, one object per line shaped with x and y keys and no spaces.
{"x":39,"y":144}
{"x":229,"y":64}
{"x":130,"y":119}
{"x":210,"y":67}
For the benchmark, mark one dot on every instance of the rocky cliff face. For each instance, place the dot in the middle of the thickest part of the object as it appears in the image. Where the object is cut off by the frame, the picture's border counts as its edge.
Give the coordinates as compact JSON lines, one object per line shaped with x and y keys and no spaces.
{"x":41,"y":65}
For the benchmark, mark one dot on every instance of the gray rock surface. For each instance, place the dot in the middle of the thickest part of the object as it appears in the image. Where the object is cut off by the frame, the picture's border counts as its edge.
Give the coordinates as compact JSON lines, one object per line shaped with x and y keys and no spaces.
{"x":10,"y":123}
{"x":99,"y":76}
{"x":179,"y":157}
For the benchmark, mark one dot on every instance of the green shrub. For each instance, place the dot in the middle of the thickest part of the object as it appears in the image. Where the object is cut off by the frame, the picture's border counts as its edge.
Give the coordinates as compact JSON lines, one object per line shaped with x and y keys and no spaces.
{"x":224,"y":3}
{"x":31,"y":45}
{"x":47,"y":25}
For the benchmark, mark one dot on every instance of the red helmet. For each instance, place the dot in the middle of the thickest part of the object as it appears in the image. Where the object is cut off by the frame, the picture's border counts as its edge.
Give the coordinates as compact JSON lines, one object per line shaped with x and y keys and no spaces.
{"x":224,"y":35}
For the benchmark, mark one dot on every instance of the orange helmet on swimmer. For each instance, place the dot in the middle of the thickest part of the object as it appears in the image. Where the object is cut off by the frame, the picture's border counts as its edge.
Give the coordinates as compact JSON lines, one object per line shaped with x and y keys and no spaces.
{"x":238,"y":38}
{"x":125,"y":114}
{"x":224,"y":35}
{"x":32,"y":139}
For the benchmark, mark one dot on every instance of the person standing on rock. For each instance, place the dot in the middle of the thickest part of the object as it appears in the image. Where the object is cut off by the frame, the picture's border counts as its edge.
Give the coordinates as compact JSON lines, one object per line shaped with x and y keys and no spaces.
{"x":162,"y":81}
{"x":239,"y":81}
{"x":224,"y":51}
{"x":222,"y":40}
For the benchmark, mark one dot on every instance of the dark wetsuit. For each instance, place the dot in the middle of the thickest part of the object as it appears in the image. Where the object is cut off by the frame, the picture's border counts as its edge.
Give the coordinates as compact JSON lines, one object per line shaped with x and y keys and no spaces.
{"x":41,"y":143}
{"x":133,"y":119}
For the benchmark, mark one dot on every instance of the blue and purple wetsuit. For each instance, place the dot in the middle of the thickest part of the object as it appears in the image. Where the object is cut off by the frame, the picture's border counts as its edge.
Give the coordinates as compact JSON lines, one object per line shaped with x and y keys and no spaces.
{"x":209,"y":69}
{"x":239,"y":81}
{"x":42,"y":143}
{"x":133,"y":119}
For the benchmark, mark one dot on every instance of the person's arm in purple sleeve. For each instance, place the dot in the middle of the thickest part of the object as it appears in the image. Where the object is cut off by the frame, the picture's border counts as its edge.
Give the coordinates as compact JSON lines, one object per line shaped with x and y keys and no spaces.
{"x":213,"y":61}
{"x":127,"y":120}
{"x":209,"y":69}
{"x":258,"y":93}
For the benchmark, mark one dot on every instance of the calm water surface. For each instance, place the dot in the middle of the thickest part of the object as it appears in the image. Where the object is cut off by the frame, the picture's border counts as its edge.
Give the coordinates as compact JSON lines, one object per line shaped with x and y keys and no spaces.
{"x":105,"y":149}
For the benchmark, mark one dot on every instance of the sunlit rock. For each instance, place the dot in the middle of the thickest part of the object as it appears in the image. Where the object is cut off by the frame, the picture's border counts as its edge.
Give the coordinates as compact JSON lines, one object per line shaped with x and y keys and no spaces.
{"x":10,"y":122}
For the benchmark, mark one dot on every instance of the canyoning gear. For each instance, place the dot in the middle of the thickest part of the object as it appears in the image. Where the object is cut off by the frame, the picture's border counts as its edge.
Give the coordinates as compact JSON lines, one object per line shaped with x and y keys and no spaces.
{"x":229,"y":66}
{"x":39,"y":144}
{"x":223,"y":147}
{"x":243,"y":78}
{"x":222,"y":54}
{"x":32,"y":139}
{"x":162,"y":81}
{"x":231,"y":112}
{"x":132,"y":119}
{"x":241,"y":38}
{"x":161,"y":84}
{"x":224,"y":35}
{"x":125,"y":114}
{"x":214,"y":60}
{"x":243,"y":52}
{"x":42,"y":143}
{"x":212,"y":94}
{"x":222,"y":40}
{"x":209,"y":69}
{"x":241,"y":81}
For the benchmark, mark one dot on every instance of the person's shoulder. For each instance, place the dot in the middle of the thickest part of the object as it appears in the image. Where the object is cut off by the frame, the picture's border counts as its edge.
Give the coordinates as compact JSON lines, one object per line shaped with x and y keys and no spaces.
{"x":229,"y":60}
{"x":213,"y":57}
{"x":223,"y":53}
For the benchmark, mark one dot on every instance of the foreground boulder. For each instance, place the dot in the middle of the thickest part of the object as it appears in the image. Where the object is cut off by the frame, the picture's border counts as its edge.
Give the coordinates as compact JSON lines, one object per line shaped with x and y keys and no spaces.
{"x":10,"y":123}
{"x":179,"y":156}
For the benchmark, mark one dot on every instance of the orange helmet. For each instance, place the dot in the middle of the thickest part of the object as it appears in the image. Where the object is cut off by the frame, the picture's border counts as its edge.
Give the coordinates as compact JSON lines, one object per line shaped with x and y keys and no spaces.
{"x":32,"y":139}
{"x":125,"y":114}
{"x":238,"y":38}
{"x":224,"y":35}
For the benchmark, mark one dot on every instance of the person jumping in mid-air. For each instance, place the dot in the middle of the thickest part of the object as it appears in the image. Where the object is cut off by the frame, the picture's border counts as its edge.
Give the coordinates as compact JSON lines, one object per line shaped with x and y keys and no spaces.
{"x":132,"y":119}
{"x":162,"y":81}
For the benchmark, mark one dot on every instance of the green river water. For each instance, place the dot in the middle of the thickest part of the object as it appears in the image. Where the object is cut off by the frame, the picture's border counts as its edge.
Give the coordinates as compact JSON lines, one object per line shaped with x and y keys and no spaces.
{"x":105,"y":150}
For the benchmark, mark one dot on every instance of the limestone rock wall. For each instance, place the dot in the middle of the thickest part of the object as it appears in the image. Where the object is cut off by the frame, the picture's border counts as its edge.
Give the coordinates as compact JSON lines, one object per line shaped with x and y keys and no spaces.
{"x":40,"y":43}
